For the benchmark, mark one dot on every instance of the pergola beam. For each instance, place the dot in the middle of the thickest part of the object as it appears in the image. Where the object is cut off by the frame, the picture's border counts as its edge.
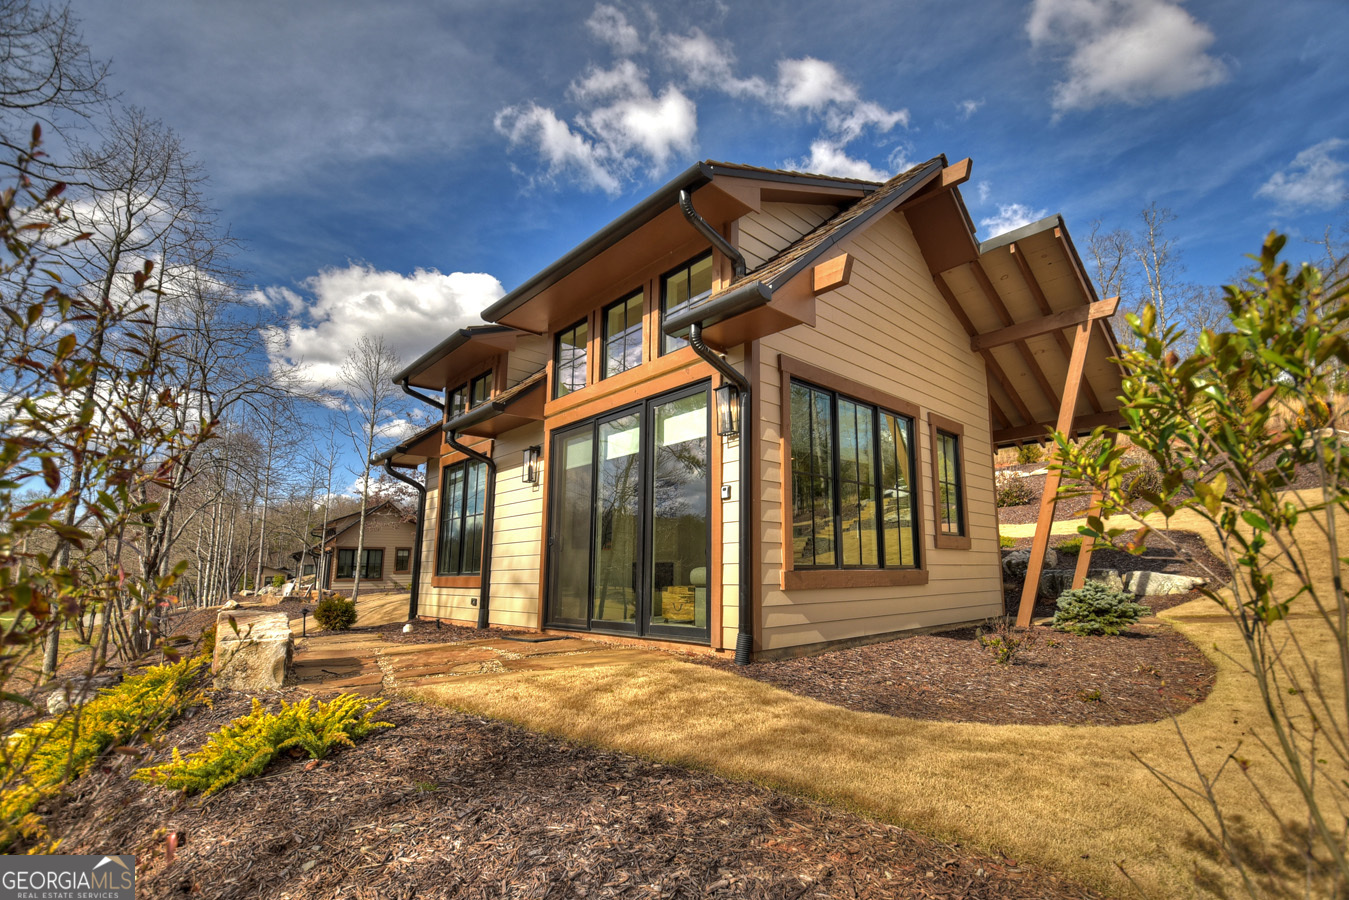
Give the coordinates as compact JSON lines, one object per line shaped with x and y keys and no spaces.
{"x":991,"y":294}
{"x":1037,"y":293}
{"x":1055,"y":322}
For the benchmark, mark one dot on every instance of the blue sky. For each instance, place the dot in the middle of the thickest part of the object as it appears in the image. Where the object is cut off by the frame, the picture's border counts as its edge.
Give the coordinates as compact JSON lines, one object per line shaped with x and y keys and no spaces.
{"x":394,"y":166}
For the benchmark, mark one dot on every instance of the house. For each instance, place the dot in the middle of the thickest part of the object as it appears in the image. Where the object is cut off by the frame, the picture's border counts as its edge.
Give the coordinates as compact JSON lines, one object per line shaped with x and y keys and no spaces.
{"x":756,"y":414}
{"x":386,"y":558}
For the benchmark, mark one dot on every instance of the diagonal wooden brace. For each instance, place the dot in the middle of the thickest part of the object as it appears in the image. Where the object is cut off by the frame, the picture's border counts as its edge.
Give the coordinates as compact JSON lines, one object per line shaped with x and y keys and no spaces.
{"x":1072,"y":386}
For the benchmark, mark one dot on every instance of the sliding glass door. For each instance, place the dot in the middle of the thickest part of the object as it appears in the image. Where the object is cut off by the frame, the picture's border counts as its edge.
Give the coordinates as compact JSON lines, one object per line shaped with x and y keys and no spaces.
{"x":629,"y":537}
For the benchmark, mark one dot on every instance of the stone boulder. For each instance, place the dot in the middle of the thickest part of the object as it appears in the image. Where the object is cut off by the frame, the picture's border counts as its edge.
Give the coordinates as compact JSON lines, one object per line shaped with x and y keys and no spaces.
{"x":1153,"y":584}
{"x":1017,"y":562}
{"x":256,"y":657}
{"x":1056,"y":581}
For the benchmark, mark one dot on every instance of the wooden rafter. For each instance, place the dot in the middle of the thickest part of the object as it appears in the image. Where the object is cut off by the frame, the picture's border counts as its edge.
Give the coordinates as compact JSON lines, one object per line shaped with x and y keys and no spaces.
{"x":1054,"y":322}
{"x":1049,"y":499}
{"x":1033,"y":284}
{"x":991,"y":294}
{"x":995,"y":372}
{"x":1038,"y":430}
{"x":1001,"y":377}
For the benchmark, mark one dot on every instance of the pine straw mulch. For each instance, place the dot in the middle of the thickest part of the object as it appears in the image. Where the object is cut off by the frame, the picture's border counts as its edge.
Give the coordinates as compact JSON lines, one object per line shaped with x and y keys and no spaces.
{"x":449,"y":805}
{"x":1055,"y":679}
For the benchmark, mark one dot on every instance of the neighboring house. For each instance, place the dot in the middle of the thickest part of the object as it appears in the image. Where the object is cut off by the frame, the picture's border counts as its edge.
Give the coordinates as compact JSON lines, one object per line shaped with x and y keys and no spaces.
{"x":589,"y":474}
{"x":386,"y":559}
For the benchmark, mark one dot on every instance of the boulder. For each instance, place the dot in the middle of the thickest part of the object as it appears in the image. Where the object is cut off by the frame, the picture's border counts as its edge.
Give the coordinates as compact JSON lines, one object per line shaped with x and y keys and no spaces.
{"x":1017,"y":562}
{"x":1154,"y":584}
{"x":58,"y":702}
{"x":255,"y":657}
{"x":1055,"y":581}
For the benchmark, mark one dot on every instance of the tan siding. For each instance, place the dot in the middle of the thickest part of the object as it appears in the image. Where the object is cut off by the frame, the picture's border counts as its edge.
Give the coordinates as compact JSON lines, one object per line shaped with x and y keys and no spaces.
{"x":517,"y":533}
{"x":383,"y":531}
{"x":765,"y":234}
{"x":890,"y":329}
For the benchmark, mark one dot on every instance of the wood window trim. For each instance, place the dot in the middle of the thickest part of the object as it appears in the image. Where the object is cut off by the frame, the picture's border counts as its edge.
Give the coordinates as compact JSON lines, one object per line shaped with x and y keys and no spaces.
{"x":406,"y":568}
{"x":809,"y":579}
{"x":456,"y":581}
{"x":961,"y":541}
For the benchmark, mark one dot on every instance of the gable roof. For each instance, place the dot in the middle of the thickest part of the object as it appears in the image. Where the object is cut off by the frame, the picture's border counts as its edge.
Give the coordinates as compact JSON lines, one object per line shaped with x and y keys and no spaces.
{"x":757,"y":287}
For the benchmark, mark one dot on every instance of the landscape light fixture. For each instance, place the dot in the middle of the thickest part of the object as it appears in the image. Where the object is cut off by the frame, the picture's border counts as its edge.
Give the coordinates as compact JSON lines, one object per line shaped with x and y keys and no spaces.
{"x":728,"y":410}
{"x":530,"y":470}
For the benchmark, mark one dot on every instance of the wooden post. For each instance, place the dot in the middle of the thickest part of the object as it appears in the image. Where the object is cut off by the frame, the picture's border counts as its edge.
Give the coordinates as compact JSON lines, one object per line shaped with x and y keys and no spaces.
{"x":1049,"y":500}
{"x":1084,"y":555}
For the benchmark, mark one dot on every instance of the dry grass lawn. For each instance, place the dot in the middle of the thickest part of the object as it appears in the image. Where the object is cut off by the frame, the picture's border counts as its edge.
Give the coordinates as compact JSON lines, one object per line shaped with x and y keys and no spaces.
{"x":1070,"y":798}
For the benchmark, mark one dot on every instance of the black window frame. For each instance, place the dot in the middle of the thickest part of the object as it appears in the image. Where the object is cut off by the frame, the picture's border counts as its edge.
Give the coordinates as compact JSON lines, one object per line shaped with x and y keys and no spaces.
{"x":456,"y":402}
{"x":402,"y":560}
{"x":468,"y":557}
{"x":345,"y":560}
{"x":606,"y":338}
{"x":835,"y":476}
{"x":479,"y":389}
{"x":670,"y":343}
{"x":944,"y":537}
{"x":562,"y":388}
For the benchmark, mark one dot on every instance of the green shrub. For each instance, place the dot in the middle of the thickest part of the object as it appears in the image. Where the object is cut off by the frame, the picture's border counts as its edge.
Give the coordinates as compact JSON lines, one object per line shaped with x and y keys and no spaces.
{"x":206,"y":643}
{"x":42,"y":758}
{"x":1012,"y":490}
{"x":245,"y":746}
{"x":1072,"y":546}
{"x":1096,"y":608}
{"x":278,"y":581}
{"x":1004,"y":644}
{"x":335,"y":613}
{"x":1029,"y":453}
{"x":1006,"y":541}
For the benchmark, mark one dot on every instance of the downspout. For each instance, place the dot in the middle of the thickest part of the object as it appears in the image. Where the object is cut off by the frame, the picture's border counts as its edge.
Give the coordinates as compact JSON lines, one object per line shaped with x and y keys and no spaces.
{"x":738,"y":267}
{"x":744,"y":639}
{"x":420,"y":488}
{"x":489,"y":501}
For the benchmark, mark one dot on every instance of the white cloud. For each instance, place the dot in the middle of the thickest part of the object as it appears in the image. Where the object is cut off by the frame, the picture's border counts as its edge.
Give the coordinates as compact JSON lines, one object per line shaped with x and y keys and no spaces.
{"x":968,"y":108}
{"x":985,"y":190}
{"x":830,"y":158}
{"x":609,"y":141}
{"x":1128,"y":51}
{"x":1314,"y":180}
{"x":623,"y":127}
{"x":411,"y":312}
{"x":610,"y":25}
{"x":1009,"y":217}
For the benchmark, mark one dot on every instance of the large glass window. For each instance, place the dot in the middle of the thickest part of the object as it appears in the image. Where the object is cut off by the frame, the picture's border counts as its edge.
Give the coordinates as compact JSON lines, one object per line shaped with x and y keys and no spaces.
{"x":853,"y":497}
{"x":372,"y":564}
{"x":681,"y":289}
{"x":569,"y":360}
{"x":623,"y":335}
{"x":630,"y":520}
{"x":462,"y":502}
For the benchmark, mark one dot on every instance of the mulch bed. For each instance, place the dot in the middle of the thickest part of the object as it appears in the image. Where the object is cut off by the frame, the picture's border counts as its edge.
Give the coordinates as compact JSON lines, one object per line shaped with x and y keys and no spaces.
{"x":448,"y":805}
{"x":1055,"y":679}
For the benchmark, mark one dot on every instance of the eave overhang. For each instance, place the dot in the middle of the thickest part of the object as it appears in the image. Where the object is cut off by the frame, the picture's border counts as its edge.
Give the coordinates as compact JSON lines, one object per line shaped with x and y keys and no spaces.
{"x":463,"y":351}
{"x":510,"y":409}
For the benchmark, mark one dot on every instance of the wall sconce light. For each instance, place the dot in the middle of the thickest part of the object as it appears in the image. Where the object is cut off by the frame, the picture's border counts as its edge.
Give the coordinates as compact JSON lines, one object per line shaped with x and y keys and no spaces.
{"x":530,"y":469}
{"x":728,"y":410}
